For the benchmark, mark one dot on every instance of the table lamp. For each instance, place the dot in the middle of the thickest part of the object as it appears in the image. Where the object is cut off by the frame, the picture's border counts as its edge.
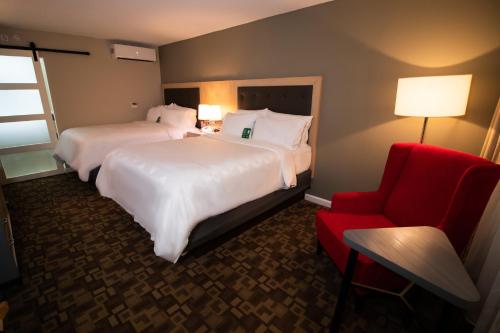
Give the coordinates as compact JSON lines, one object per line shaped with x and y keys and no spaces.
{"x":209,"y":113}
{"x":432,"y":96}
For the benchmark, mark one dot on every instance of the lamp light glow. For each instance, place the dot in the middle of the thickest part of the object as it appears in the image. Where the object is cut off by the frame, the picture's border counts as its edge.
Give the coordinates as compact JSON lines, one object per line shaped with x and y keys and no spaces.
{"x":433,"y":96}
{"x":209,"y":112}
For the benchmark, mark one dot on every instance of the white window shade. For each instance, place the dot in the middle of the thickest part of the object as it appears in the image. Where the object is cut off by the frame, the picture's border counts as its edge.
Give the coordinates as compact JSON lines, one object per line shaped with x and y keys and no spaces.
{"x":23,"y":133}
{"x":433,"y":96}
{"x":17,"y":70}
{"x":19,"y":102}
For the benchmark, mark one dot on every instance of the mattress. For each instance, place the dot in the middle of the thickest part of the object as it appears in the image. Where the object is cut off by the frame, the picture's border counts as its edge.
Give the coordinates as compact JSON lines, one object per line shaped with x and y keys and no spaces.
{"x":169,"y":187}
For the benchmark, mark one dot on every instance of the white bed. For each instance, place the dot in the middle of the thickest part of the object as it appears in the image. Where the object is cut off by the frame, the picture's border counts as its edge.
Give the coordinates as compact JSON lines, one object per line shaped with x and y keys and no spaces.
{"x":169,"y":187}
{"x":84,"y":148}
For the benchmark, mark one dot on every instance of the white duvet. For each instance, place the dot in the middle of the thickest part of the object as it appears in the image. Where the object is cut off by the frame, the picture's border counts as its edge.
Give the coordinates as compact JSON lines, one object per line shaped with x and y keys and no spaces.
{"x":169,"y":187}
{"x":84,"y":148}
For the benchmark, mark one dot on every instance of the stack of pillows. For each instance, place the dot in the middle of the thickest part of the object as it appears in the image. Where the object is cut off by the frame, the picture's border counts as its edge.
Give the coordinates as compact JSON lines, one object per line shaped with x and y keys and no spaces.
{"x":282,"y":129}
{"x":173,"y":115}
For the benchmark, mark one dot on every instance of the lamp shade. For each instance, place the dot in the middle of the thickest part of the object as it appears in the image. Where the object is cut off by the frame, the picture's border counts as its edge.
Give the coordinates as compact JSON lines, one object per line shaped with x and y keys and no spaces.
{"x":433,"y":96}
{"x":209,"y":112}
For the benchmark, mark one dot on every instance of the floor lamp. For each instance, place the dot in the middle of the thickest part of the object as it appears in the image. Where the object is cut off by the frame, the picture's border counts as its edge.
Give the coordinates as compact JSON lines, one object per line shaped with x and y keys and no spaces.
{"x":432,"y":96}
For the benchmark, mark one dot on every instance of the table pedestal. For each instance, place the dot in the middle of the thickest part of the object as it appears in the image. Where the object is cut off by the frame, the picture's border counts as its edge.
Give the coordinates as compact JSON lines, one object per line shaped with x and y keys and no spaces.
{"x":344,"y":291}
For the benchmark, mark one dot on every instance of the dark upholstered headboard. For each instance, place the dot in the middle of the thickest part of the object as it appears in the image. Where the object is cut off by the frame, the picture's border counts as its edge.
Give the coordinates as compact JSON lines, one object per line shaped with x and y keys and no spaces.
{"x":284,"y":99}
{"x":186,"y":97}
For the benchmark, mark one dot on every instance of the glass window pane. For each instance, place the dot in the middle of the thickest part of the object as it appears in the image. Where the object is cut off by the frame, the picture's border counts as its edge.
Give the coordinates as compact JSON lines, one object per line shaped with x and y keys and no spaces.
{"x":17,"y":70}
{"x":20,"y":102}
{"x":23,"y":133}
{"x":27,"y":163}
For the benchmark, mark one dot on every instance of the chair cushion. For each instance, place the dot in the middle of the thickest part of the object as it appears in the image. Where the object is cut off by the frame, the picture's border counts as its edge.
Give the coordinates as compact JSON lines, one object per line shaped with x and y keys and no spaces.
{"x":426,"y":185}
{"x":330,"y":228}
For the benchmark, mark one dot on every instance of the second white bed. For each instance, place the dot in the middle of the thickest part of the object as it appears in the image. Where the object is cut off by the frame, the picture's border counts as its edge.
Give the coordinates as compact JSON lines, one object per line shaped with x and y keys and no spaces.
{"x":169,"y":187}
{"x":84,"y":148}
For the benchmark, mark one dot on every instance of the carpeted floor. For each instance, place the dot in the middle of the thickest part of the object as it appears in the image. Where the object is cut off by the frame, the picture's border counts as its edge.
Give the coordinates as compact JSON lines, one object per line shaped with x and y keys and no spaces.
{"x":87,"y":267}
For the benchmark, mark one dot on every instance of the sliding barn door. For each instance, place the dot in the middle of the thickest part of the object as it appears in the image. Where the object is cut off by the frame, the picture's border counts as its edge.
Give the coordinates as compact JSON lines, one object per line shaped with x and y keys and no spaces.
{"x":27,"y":125}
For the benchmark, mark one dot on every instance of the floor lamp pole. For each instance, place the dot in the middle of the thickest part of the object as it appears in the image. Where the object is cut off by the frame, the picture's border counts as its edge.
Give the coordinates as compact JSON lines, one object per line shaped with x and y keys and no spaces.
{"x":423,"y":130}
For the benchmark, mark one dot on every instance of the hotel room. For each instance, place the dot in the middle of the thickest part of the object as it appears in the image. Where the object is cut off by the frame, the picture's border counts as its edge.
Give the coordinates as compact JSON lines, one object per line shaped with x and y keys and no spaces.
{"x":250,"y":166}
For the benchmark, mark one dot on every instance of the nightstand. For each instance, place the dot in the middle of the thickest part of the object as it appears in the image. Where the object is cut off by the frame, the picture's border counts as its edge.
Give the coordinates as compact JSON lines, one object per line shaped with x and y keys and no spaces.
{"x":193,"y":134}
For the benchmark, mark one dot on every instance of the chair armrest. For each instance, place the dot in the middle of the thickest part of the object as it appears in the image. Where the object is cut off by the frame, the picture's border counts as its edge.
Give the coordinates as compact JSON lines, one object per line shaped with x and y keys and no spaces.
{"x":357,"y":202}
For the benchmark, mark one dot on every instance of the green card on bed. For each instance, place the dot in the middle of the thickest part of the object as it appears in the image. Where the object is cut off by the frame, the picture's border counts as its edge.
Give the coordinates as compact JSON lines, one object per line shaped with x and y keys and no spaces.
{"x":246,"y":133}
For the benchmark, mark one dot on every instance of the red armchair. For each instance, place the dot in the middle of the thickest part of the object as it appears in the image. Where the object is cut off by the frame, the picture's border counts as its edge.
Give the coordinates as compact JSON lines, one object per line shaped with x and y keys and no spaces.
{"x":421,"y":185}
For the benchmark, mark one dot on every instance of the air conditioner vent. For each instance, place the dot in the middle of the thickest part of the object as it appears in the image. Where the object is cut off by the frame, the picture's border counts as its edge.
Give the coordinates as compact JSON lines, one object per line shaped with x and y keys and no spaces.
{"x":129,"y":52}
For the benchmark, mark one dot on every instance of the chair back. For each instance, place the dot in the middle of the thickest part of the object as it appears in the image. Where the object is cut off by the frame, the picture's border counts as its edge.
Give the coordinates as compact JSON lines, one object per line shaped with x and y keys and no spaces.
{"x":427,"y":185}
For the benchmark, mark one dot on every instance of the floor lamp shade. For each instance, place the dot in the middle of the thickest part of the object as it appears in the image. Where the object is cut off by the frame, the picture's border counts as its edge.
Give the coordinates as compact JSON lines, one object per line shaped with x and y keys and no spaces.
{"x":432,"y":96}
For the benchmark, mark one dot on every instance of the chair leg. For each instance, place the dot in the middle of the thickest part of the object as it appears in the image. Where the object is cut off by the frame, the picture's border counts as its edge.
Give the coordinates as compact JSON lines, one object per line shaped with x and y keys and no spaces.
{"x":319,"y":248}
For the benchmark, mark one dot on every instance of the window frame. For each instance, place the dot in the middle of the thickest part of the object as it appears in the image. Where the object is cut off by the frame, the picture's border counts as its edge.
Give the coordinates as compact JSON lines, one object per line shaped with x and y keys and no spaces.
{"x":47,"y":116}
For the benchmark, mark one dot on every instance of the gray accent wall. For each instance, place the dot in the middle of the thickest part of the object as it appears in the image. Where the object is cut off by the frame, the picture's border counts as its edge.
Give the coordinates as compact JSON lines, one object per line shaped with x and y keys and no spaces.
{"x":361,"y":48}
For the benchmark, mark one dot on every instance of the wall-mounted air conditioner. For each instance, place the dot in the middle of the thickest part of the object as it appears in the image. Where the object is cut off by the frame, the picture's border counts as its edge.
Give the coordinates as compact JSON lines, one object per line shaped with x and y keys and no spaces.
{"x":121,"y":51}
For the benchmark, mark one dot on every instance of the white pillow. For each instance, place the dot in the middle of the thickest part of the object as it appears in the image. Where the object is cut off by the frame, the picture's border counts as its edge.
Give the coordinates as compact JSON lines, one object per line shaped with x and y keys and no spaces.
{"x":184,"y":118}
{"x":281,"y":131}
{"x":258,"y":113}
{"x":191,"y":115}
{"x":307,"y":120}
{"x":155,"y":112}
{"x":235,"y":123}
{"x":173,"y":106}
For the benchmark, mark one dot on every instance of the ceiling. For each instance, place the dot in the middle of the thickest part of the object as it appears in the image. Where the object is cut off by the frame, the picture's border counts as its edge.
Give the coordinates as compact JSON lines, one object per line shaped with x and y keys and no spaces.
{"x":155,"y":22}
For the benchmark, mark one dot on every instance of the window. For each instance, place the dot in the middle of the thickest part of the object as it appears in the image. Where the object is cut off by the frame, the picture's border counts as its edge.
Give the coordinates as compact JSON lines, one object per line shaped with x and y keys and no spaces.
{"x":27,"y":127}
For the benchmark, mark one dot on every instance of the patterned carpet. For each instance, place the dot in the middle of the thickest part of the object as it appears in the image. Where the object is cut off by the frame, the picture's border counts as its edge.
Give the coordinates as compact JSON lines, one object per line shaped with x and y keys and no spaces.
{"x":87,"y":267}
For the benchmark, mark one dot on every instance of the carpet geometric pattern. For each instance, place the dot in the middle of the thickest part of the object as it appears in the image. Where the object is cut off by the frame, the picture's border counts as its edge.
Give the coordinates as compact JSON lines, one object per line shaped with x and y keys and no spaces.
{"x":88,"y":267}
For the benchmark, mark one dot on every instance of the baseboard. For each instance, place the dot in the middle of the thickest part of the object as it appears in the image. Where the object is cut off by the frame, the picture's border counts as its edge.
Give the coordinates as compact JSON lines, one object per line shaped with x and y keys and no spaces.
{"x":318,"y":200}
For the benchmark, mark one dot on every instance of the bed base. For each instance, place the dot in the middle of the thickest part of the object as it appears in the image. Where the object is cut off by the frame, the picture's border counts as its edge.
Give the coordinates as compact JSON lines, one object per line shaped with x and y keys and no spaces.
{"x":93,"y":175}
{"x":215,"y":230}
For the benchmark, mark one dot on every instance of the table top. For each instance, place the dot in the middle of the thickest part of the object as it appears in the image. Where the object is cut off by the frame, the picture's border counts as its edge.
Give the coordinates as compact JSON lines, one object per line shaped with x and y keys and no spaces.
{"x":423,"y":255}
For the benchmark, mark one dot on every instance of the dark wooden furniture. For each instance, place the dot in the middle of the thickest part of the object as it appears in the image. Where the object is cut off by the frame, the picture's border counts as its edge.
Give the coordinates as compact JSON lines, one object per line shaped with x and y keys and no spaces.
{"x":186,"y":97}
{"x":295,"y":100}
{"x":8,"y":262}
